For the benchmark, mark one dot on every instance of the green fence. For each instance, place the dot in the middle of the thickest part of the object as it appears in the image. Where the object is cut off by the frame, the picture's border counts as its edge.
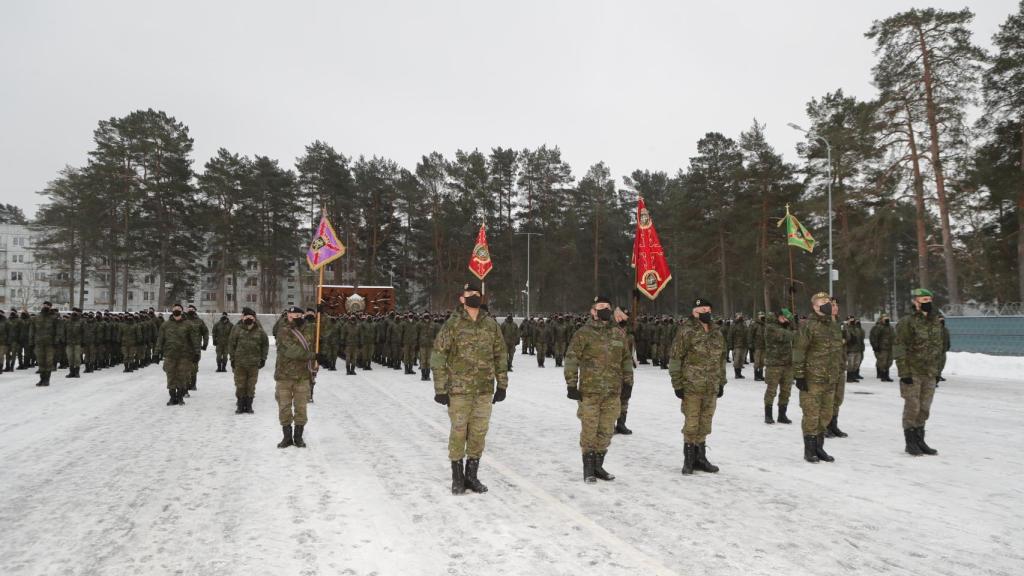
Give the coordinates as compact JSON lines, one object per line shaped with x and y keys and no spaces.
{"x":997,"y":335}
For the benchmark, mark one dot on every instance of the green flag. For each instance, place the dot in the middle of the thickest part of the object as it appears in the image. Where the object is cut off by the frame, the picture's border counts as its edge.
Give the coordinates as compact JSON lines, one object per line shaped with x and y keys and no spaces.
{"x":796,"y":234}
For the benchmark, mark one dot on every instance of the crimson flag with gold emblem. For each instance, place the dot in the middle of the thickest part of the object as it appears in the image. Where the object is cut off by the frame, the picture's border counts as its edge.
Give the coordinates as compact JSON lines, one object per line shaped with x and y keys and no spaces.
{"x":480,"y":261}
{"x":652,"y":273}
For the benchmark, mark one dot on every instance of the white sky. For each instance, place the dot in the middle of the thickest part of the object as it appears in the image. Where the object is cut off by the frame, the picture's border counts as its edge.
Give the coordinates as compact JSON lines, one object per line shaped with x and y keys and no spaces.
{"x":634,"y":83}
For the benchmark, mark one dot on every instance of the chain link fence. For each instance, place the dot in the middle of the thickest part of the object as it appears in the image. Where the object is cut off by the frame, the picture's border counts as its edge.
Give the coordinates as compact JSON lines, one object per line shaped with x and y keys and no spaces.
{"x":974,"y":309}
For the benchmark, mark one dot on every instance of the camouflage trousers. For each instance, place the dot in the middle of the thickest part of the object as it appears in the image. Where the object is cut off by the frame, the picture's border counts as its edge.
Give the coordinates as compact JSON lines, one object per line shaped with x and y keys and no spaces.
{"x":854,"y":360}
{"x":245,"y":381}
{"x":627,"y":393}
{"x":917,"y":401}
{"x":366,"y":353}
{"x":90,"y":353}
{"x":470,"y":416}
{"x":222,"y":352}
{"x":352,"y":356}
{"x":425,"y":357}
{"x":739,"y":358}
{"x":45,"y":356}
{"x":758,"y":358}
{"x":698,"y":411}
{"x":3,"y":355}
{"x":883,"y":360}
{"x":409,"y":355}
{"x":559,"y":349}
{"x":817,"y":405}
{"x":597,"y":414}
{"x":292,"y":397}
{"x":778,"y":379}
{"x":74,"y":355}
{"x":942,"y":363}
{"x":837,"y":397}
{"x":127,"y":353}
{"x":179,"y":371}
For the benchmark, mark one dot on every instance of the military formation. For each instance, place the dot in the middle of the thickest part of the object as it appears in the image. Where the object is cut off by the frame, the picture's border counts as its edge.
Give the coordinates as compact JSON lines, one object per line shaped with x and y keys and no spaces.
{"x":468,"y":355}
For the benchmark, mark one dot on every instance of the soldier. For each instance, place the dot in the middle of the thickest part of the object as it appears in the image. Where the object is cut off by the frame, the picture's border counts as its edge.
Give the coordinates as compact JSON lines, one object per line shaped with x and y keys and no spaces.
{"x":309,"y":329}
{"x":247,"y":348}
{"x":510,"y":333}
{"x":128,"y":343}
{"x":757,"y":343}
{"x":832,"y":430}
{"x":410,"y":342}
{"x":739,"y":345}
{"x":330,"y":340}
{"x":351,"y":336}
{"x":74,"y":331}
{"x":368,"y":328}
{"x":853,"y":336}
{"x":221,"y":332}
{"x":598,"y":365}
{"x":918,"y":353}
{"x":627,"y":389}
{"x":818,"y":365}
{"x":178,"y":344}
{"x":542,"y":339}
{"x":945,"y":348}
{"x":204,"y":335}
{"x":881,"y":338}
{"x":778,"y":359}
{"x":428,"y":332}
{"x":5,"y":335}
{"x":43,"y":338}
{"x":294,"y":373}
{"x":697,"y":369}
{"x":19,"y":338}
{"x":469,"y":356}
{"x":89,"y":342}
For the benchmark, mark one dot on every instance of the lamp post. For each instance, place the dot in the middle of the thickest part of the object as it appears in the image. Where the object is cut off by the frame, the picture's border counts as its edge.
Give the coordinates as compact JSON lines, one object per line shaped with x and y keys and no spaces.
{"x":528,"y":235}
{"x":828,"y":148}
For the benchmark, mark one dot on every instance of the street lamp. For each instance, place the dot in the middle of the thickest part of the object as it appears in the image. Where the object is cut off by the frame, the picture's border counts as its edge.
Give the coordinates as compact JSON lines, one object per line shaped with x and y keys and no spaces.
{"x":528,"y":235}
{"x":828,"y":148}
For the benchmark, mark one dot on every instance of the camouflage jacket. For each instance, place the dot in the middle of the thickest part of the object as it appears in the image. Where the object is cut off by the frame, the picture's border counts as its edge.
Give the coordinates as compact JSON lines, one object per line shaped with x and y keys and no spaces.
{"x":510,"y":332}
{"x":222,"y":331}
{"x":778,"y":344}
{"x":757,"y":334}
{"x":696,"y":361}
{"x":178,"y":339}
{"x":469,"y":356}
{"x":428,"y":333}
{"x":411,"y":334}
{"x":918,"y":348}
{"x":598,"y":360}
{"x":74,"y":332}
{"x":295,"y":360}
{"x":818,"y":353}
{"x":5,"y":331}
{"x":739,"y":336}
{"x":351,"y":334}
{"x":43,"y":329}
{"x":89,"y":332}
{"x":247,"y":345}
{"x":853,"y":336}
{"x":201,"y":330}
{"x":882,"y":337}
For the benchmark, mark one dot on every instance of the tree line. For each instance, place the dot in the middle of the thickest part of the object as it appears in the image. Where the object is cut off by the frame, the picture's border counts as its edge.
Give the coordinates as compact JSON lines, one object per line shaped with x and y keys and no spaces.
{"x":920,"y":195}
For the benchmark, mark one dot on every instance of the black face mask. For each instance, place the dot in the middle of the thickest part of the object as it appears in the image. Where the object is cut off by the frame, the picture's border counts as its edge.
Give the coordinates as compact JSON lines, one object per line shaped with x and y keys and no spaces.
{"x":191,"y":313}
{"x":704,"y":317}
{"x":310,"y":317}
{"x":247,"y":321}
{"x":604,"y":314}
{"x":825,"y":309}
{"x":473,"y":301}
{"x":224,"y":319}
{"x":926,"y":307}
{"x":886,"y":322}
{"x":176,"y":313}
{"x":24,"y":316}
{"x":299,"y":322}
{"x":784,"y":323}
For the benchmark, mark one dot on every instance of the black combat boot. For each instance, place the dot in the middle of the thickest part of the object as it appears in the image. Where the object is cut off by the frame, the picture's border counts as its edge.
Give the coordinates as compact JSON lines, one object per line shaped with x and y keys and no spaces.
{"x":758,"y":375}
{"x":173,"y":396}
{"x":589,"y":460}
{"x":620,"y":425}
{"x":782,"y":415}
{"x":558,"y":362}
{"x":849,"y":377}
{"x":664,"y":364}
{"x":887,"y":377}
{"x":739,"y":373}
{"x":879,"y":373}
{"x":599,"y":470}
{"x":299,"y":442}
{"x":458,"y":478}
{"x":44,"y":379}
{"x":856,"y":374}
{"x":768,"y":415}
{"x":811,"y":449}
{"x":240,"y":406}
{"x":910,"y":437}
{"x":833,"y":427}
{"x":127,"y":368}
{"x":182,"y":394}
{"x":702,"y":459}
{"x":472,"y":465}
{"x":921,"y":444}
{"x":819,"y":448}
{"x":286,"y":440}
{"x":248,"y":405}
{"x":689,"y":456}
{"x":70,"y":374}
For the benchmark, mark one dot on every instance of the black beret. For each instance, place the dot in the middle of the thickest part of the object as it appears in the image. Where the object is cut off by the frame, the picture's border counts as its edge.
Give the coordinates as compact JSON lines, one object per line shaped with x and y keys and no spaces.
{"x":697,"y":303}
{"x":248,"y":311}
{"x":472,"y":285}
{"x":295,"y":310}
{"x":602,"y":299}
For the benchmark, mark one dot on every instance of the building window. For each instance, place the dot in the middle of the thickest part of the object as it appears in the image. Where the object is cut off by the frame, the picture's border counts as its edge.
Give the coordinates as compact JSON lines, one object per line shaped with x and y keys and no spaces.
{"x":131,"y":295}
{"x":16,"y":276}
{"x":250,"y":282}
{"x":251,"y":265}
{"x":229,"y":297}
{"x":40,"y":276}
{"x":149,"y":279}
{"x":251,"y":298}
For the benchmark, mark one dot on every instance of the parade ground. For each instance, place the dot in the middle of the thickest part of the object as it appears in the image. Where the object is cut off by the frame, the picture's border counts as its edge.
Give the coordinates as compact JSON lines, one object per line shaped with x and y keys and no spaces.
{"x":100,"y":477}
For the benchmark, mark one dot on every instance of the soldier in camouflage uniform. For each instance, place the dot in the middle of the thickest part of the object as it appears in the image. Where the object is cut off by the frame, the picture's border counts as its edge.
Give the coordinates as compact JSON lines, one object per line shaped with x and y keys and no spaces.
{"x":740,"y":344}
{"x":818,"y":366}
{"x":89,"y":341}
{"x":542,"y":339}
{"x":469,"y":357}
{"x":368,"y":330}
{"x":918,"y":353}
{"x":178,"y":344}
{"x":204,"y":335}
{"x":427,"y":332}
{"x":510,"y":333}
{"x":294,"y":373}
{"x":247,"y":348}
{"x":598,"y":364}
{"x":352,"y":338}
{"x":43,"y":340}
{"x":832,"y":430}
{"x":5,"y":338}
{"x":560,"y":332}
{"x":778,"y":359}
{"x":697,"y":369}
{"x":853,"y":338}
{"x":410,"y":342}
{"x":627,"y":389}
{"x":945,"y":348}
{"x":74,"y":332}
{"x":221,"y":333}
{"x":757,"y":330}
{"x":881,"y":338}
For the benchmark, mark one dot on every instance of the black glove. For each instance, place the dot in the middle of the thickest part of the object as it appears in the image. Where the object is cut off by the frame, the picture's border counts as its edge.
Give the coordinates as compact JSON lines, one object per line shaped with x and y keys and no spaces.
{"x":204,"y":346}
{"x":195,"y":358}
{"x":263,"y":363}
{"x":232,"y":363}
{"x":906,"y":380}
{"x":875,"y":350}
{"x":499,"y":395}
{"x":441,"y":399}
{"x":721,"y":390}
{"x":801,"y":384}
{"x":679,"y":393}
{"x":573,"y":394}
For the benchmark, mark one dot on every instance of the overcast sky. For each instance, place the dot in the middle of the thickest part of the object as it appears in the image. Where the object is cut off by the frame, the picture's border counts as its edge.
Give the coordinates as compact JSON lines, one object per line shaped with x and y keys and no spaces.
{"x":632,"y":83}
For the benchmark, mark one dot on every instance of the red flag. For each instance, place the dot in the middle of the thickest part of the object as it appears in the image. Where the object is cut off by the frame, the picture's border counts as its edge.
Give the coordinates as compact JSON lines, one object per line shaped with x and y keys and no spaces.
{"x":652,"y":273}
{"x":480,"y":261}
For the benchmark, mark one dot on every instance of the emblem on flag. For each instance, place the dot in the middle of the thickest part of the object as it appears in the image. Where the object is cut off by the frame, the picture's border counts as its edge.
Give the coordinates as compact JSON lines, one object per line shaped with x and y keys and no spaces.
{"x":325,"y":246}
{"x":480,"y":261}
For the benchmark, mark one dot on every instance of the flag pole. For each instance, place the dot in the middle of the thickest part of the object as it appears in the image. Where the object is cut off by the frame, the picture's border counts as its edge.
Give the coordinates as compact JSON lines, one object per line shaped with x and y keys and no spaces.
{"x":319,"y":295}
{"x":789,"y":250}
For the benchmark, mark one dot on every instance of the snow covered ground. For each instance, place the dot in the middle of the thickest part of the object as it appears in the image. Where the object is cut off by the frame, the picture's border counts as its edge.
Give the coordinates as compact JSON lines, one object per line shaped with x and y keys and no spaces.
{"x":98,"y":476}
